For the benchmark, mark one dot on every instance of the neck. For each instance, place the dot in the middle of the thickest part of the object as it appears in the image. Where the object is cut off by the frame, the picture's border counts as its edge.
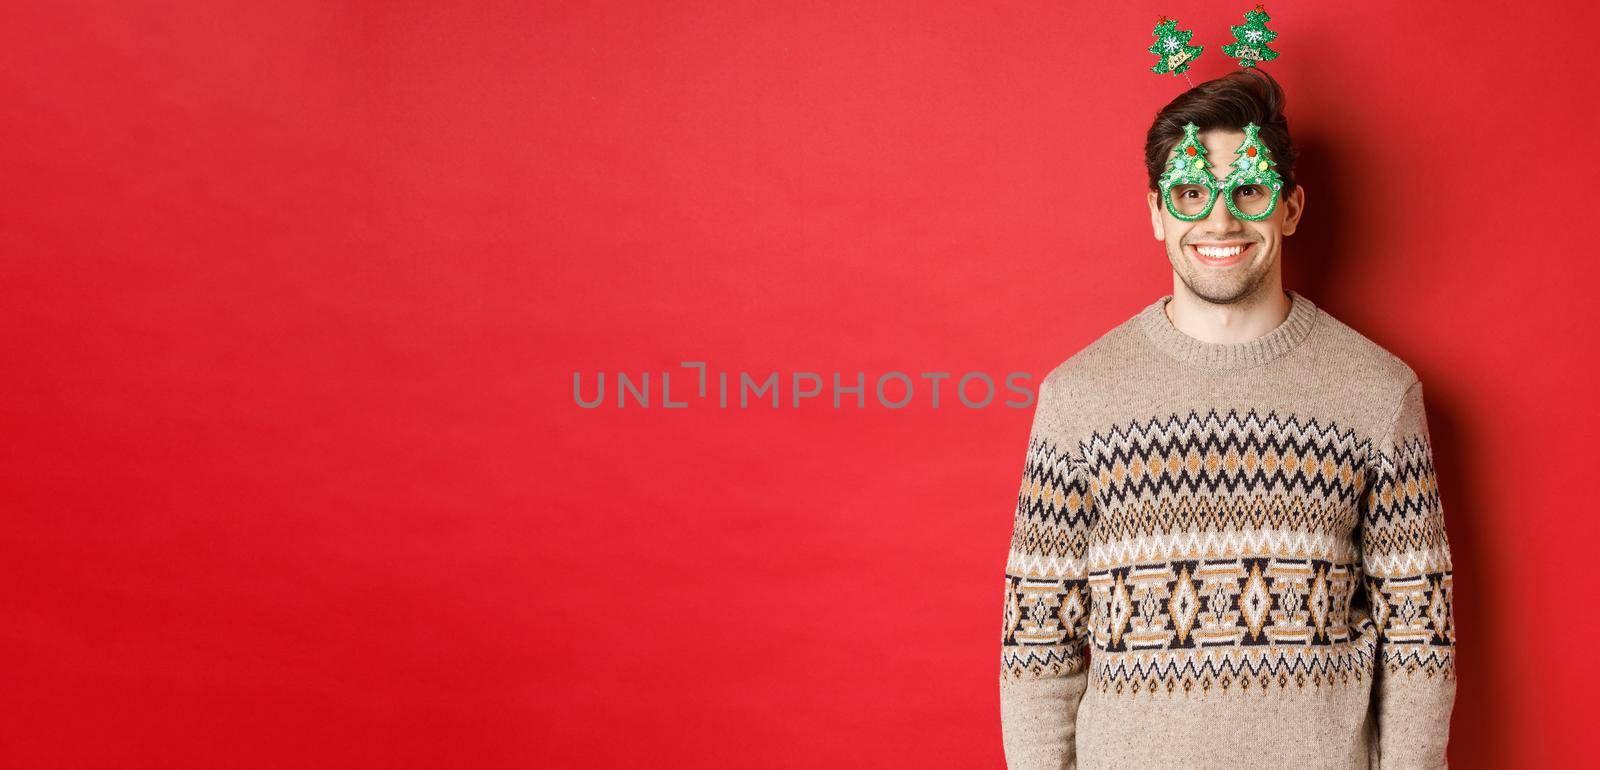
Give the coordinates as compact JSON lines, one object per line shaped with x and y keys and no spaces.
{"x":1254,"y":345}
{"x":1249,"y":318}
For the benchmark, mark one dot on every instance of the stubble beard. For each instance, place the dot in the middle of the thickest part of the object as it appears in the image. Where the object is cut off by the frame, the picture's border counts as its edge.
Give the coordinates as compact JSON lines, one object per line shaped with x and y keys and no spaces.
{"x":1234,"y":286}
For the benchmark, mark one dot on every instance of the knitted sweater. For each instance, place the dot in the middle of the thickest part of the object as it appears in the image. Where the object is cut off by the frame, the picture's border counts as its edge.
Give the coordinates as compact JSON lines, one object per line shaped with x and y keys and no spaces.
{"x":1247,"y":538}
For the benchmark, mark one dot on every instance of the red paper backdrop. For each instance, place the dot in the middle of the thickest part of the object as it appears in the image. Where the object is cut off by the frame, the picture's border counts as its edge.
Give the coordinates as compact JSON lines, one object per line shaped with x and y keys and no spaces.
{"x":294,"y":294}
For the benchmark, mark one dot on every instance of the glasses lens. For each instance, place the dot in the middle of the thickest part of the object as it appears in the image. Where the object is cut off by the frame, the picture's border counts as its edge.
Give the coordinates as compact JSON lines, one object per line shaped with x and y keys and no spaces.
{"x":1189,"y":199}
{"x":1252,"y":199}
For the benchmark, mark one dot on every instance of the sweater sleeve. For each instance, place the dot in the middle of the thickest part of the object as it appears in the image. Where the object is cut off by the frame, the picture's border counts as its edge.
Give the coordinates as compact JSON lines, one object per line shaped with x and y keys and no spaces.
{"x":1406,"y":558}
{"x":1043,"y":666}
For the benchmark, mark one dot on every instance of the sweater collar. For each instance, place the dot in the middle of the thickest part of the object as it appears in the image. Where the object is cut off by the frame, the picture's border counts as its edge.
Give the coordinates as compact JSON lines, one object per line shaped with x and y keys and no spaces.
{"x":1231,"y":355}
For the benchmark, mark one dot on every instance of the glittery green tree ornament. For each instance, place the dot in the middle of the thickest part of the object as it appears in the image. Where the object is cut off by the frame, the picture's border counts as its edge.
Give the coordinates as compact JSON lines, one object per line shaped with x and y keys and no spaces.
{"x":1250,"y":39}
{"x":1254,"y":166}
{"x":1172,"y":49}
{"x":1188,"y":166}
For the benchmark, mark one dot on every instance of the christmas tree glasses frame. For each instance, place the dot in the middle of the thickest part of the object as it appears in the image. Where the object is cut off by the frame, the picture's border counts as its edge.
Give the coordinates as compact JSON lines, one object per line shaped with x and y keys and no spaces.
{"x":1188,"y":176}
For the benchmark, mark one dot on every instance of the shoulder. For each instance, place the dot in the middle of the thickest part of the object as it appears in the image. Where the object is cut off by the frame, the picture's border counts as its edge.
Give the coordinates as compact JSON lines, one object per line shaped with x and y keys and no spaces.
{"x":1353,"y":357}
{"x":1099,"y":363}
{"x":1069,"y":392}
{"x":1385,"y":387}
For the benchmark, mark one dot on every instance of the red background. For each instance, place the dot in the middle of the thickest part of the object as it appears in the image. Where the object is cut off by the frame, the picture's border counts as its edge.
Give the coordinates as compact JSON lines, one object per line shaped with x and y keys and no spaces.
{"x":294,"y":294}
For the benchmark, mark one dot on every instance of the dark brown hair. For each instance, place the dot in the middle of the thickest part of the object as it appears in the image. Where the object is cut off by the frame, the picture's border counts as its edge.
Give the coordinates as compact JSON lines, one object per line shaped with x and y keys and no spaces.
{"x":1229,"y":102}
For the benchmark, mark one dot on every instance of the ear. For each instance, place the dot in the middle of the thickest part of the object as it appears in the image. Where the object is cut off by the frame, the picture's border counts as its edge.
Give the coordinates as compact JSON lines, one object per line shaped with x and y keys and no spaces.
{"x":1294,"y":204}
{"x":1157,"y":224}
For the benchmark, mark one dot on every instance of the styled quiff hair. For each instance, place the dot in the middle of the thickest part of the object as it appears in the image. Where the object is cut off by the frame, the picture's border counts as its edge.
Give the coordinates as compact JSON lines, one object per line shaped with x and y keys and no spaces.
{"x":1229,"y":102}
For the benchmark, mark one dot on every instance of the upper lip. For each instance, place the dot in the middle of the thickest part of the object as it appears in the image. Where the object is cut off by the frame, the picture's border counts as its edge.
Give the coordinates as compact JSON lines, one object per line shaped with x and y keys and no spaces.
{"x":1221,"y":244}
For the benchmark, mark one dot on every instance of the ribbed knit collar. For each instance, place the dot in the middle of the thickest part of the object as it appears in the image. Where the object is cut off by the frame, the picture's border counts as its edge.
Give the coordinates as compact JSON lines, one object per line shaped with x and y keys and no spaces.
{"x":1229,"y":355}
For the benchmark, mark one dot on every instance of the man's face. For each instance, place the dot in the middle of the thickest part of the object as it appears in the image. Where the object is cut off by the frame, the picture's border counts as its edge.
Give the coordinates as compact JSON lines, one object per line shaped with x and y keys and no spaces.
{"x":1224,"y":259}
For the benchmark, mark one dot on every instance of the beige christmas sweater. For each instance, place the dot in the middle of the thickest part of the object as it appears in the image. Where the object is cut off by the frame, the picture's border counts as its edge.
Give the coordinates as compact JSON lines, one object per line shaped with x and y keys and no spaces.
{"x":1228,"y":555}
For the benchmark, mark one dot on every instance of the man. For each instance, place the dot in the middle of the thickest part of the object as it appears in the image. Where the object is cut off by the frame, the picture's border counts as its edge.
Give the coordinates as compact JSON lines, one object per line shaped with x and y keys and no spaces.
{"x":1229,"y":500}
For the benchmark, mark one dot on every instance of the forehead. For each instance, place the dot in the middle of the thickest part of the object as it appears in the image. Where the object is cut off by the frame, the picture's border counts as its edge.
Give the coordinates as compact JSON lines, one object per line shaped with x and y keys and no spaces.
{"x":1220,"y":144}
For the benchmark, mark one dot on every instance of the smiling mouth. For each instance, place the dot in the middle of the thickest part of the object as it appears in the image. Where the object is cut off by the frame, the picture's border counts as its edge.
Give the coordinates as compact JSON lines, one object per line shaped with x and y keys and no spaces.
{"x":1221,"y":254}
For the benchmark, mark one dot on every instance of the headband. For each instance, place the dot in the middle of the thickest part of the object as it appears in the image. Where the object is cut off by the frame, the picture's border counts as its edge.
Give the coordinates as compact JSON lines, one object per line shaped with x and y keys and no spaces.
{"x":1188,"y":188}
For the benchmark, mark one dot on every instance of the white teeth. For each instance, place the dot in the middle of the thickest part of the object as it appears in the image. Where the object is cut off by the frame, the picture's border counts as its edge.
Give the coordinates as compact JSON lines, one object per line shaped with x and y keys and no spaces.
{"x":1209,"y":251}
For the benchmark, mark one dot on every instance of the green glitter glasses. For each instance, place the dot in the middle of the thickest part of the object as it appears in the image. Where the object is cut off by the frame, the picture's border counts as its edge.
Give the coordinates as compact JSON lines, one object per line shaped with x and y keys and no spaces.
{"x":1251,"y":189}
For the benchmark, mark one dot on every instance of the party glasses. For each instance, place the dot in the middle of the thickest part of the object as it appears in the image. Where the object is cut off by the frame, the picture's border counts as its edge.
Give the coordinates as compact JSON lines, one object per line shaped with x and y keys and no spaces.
{"x":1251,"y":190}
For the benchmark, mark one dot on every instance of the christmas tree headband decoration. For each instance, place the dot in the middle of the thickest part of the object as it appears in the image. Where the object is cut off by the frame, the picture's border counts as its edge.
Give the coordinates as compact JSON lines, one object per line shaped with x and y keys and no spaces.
{"x":1174,"y":52}
{"x":1250,"y":39}
{"x":1172,"y":49}
{"x":1188,"y":187}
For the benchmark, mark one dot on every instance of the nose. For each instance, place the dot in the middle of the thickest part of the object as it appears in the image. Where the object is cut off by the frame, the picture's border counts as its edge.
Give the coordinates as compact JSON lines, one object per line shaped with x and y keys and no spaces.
{"x":1221,"y":218}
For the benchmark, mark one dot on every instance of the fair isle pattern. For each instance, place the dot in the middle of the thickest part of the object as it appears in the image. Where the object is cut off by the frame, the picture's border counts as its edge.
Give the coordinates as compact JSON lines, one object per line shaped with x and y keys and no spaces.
{"x":1223,"y":556}
{"x":1409,"y":573}
{"x":1225,"y":551}
{"x":1228,"y":453}
{"x":1045,"y":604}
{"x":1038,"y":614}
{"x":1244,"y":669}
{"x":1221,"y":623}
